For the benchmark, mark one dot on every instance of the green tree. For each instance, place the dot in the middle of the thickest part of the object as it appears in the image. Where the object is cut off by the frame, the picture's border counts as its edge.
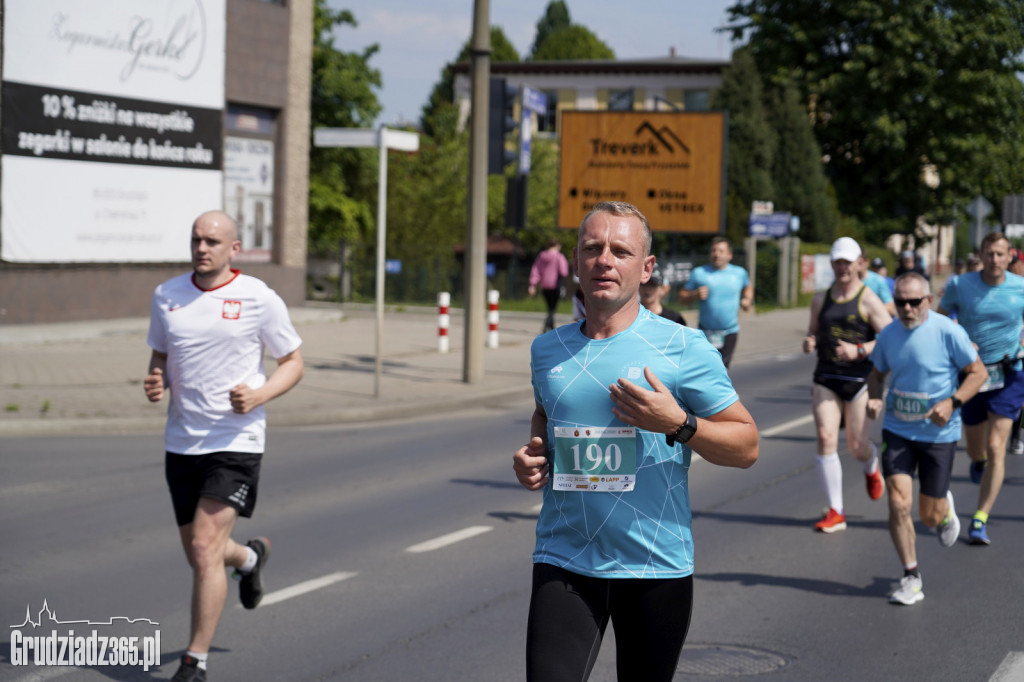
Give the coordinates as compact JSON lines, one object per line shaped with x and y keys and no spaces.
{"x":439,"y":113}
{"x":899,"y":88}
{"x":798,"y":174}
{"x":574,"y":42}
{"x":427,"y":211}
{"x":342,"y":182}
{"x":556,"y":18}
{"x":752,"y":143}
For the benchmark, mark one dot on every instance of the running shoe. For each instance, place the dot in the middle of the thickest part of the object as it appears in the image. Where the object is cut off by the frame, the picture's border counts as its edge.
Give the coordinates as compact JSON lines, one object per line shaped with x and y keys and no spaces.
{"x":189,"y":671}
{"x":876,"y":486}
{"x":909,"y":592}
{"x":250,"y":587}
{"x":978,"y":535}
{"x":833,"y":521}
{"x":949,"y":529}
{"x":977,"y":471}
{"x":1017,"y":447}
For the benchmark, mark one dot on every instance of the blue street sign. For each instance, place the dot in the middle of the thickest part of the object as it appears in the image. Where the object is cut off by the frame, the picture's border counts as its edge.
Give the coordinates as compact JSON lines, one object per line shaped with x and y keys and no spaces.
{"x":771,"y":225}
{"x":393,"y":266}
{"x":534,"y":100}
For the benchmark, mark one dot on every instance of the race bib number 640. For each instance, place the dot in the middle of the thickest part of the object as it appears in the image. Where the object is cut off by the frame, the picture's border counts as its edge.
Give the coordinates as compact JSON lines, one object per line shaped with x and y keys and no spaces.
{"x":595,"y":458}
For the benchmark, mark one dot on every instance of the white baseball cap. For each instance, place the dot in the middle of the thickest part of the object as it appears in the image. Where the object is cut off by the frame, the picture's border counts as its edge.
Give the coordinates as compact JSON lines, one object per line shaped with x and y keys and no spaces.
{"x":845,"y":248}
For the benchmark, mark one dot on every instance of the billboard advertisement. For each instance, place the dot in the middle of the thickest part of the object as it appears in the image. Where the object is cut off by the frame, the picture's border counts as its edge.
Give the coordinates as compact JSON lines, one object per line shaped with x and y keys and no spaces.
{"x":112,"y":119}
{"x":671,"y":165}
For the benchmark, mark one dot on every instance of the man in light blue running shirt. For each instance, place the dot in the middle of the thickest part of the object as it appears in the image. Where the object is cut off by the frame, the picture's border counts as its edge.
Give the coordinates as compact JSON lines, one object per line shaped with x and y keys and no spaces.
{"x":878,"y":284}
{"x":923,"y":353}
{"x":989,"y":303}
{"x":721,"y":289}
{"x":621,"y":397}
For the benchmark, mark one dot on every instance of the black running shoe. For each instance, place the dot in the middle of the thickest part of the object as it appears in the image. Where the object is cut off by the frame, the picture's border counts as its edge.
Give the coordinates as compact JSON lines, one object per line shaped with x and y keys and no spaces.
{"x":189,"y":671}
{"x":250,"y":587}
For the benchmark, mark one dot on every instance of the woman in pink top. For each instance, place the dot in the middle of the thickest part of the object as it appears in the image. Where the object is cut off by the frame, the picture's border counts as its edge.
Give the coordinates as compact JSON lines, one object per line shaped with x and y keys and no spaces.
{"x":548,"y":270}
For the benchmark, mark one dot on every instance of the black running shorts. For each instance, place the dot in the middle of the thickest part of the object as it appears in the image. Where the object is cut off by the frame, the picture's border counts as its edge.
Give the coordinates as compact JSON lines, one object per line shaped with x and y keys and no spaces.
{"x":847,"y":388}
{"x":932,"y":461}
{"x":230,"y":477}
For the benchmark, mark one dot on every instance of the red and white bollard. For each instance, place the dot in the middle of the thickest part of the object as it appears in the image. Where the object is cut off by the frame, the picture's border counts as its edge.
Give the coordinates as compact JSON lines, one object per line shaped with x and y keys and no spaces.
{"x":492,"y":318}
{"x":444,"y":299}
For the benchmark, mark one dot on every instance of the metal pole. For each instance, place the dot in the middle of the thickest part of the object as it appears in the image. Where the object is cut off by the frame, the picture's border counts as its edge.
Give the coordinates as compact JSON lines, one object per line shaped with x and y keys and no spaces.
{"x":476,"y":229}
{"x":382,"y":210}
{"x":783,"y":268}
{"x":751,"y":247}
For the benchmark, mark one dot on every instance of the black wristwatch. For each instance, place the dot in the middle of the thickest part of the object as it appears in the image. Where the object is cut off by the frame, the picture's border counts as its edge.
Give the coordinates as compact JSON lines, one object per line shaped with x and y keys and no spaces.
{"x":684,"y":432}
{"x":956,"y":402}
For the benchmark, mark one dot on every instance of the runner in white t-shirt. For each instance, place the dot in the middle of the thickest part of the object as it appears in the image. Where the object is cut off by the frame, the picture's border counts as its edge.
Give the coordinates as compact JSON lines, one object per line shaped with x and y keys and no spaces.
{"x":208,"y":331}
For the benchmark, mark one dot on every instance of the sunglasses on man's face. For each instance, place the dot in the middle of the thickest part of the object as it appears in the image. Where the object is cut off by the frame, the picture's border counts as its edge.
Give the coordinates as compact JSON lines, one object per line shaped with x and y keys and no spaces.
{"x":912,"y":302}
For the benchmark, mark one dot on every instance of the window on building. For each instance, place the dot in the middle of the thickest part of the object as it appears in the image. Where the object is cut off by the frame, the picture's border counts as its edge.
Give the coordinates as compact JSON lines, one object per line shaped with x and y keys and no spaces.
{"x":620,"y":100}
{"x":547,"y":122}
{"x":249,"y":170}
{"x":697,"y":100}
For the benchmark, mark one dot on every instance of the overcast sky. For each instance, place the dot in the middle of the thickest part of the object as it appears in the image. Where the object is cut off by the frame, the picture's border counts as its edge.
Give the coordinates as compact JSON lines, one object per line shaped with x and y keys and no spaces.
{"x":418,"y":37}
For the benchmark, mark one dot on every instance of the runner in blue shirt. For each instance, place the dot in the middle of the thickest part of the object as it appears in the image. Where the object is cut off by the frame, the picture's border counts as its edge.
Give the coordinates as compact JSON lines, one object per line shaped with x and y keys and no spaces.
{"x":990,"y":304}
{"x":923,"y":353}
{"x":721,"y":289}
{"x":877,"y":283}
{"x":621,"y":397}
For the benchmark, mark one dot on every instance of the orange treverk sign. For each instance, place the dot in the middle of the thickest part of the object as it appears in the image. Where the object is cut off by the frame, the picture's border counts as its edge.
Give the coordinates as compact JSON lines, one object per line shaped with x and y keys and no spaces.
{"x":671,"y":165}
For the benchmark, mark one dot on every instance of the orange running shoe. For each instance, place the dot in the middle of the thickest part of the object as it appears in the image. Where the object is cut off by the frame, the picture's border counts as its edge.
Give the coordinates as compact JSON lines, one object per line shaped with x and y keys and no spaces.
{"x":876,"y":486}
{"x":833,"y":521}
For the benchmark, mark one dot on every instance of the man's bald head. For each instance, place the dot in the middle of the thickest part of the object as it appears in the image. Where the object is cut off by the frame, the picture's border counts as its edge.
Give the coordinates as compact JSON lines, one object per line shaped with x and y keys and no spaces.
{"x":218,"y":219}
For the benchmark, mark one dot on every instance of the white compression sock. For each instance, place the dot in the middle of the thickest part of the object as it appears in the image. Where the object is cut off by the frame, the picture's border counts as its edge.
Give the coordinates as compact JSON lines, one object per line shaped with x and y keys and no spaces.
{"x":830,"y":471}
{"x":871,"y":466}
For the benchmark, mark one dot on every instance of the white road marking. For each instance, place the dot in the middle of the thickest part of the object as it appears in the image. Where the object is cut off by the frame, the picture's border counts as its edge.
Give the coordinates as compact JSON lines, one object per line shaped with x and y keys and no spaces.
{"x":1011,"y":669}
{"x":786,"y":426}
{"x":449,"y":539}
{"x":304,"y":587}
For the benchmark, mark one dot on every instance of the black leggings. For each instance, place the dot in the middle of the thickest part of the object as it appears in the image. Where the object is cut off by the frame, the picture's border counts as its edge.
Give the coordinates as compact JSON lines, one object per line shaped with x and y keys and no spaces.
{"x":551,"y":297}
{"x":569,"y":613}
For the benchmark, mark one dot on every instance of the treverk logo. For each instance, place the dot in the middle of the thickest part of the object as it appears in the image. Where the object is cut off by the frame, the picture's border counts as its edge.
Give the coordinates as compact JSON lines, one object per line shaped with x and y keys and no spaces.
{"x":648,"y":141}
{"x":64,"y":647}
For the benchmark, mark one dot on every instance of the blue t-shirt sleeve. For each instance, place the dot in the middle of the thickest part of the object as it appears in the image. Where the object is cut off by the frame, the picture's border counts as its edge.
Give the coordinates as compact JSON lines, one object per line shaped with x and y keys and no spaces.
{"x":703,"y":384}
{"x":877,"y":356}
{"x":883,"y":290}
{"x":950,"y":296}
{"x":961,"y":349}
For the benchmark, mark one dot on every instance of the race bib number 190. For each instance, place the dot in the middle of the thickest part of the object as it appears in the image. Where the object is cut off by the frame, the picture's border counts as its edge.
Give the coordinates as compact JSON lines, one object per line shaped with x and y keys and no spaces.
{"x":595,"y":459}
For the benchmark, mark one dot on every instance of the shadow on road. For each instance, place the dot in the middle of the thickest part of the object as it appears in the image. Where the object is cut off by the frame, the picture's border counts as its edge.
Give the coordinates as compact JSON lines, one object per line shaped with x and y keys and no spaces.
{"x":879,"y":587}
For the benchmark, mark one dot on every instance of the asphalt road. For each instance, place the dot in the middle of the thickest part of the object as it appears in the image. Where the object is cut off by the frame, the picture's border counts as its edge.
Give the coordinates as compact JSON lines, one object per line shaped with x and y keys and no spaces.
{"x":401,"y":551}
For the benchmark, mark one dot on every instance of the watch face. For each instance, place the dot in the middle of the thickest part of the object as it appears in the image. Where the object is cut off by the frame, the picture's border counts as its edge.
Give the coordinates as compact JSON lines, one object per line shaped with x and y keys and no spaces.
{"x":687,"y":430}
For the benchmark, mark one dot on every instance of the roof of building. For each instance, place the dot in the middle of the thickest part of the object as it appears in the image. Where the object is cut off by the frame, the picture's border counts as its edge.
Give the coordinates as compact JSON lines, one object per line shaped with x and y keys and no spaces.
{"x":655,"y":65}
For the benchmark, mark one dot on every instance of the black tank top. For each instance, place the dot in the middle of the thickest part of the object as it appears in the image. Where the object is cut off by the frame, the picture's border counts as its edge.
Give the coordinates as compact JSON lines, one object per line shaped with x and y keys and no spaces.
{"x":842,"y":320}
